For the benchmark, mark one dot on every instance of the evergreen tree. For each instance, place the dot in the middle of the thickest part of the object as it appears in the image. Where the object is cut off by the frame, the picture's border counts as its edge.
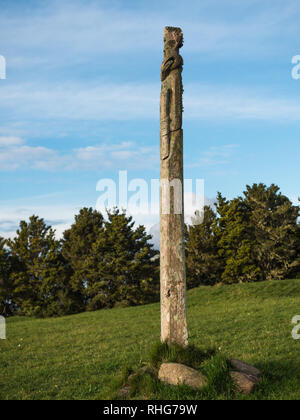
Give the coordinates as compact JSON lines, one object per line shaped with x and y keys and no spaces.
{"x":274,"y":223}
{"x":6,"y":289}
{"x":296,"y":270}
{"x":41,"y":281}
{"x":235,"y":241}
{"x":258,"y":235}
{"x":203,"y":264}
{"x":123,"y":268}
{"x":77,"y":249}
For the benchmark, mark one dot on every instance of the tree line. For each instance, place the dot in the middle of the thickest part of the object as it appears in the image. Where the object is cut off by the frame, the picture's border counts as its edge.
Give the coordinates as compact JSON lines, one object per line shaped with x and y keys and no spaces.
{"x":250,"y":238}
{"x":108,"y":262}
{"x":97,"y":264}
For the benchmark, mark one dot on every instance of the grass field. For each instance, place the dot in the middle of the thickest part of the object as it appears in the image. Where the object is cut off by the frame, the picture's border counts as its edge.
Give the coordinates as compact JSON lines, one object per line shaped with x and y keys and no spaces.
{"x":78,"y":357}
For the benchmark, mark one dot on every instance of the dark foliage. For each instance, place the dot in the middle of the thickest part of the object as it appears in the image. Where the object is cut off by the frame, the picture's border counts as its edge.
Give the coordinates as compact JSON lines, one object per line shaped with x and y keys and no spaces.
{"x":251,"y":238}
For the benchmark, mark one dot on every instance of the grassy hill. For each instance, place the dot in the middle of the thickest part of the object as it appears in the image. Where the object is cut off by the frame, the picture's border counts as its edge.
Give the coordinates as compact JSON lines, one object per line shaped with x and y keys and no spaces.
{"x":77,"y":357}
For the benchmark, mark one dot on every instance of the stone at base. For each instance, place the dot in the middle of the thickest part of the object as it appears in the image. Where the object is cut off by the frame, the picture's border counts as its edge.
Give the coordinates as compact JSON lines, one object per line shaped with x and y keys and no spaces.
{"x":244,"y":383}
{"x":176,"y":373}
{"x":244,"y":367}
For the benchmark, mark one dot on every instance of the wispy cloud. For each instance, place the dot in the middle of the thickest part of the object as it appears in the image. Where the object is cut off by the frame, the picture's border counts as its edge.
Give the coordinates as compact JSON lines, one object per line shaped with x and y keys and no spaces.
{"x":16,"y":154}
{"x":59,"y":217}
{"x":78,"y":31}
{"x":10,"y":141}
{"x":85,"y":101}
{"x":125,"y":154}
{"x":215,"y":155}
{"x":239,"y":103}
{"x":121,"y":102}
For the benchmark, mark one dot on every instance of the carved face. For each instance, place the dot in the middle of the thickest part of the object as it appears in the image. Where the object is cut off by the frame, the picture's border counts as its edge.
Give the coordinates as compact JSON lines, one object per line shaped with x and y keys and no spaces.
{"x":173,"y":38}
{"x":176,"y":39}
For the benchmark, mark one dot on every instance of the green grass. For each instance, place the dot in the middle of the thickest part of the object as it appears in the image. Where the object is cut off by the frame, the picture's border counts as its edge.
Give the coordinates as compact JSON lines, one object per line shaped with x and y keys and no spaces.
{"x":80,"y":356}
{"x":146,"y":385}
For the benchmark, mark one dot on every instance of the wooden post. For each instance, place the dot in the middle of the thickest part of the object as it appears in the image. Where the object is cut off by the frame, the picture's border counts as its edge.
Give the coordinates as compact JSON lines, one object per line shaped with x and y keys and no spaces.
{"x":172,"y":251}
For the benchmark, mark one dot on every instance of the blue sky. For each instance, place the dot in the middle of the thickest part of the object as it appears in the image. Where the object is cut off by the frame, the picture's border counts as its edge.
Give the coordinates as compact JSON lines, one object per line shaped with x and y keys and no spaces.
{"x":81,"y":98}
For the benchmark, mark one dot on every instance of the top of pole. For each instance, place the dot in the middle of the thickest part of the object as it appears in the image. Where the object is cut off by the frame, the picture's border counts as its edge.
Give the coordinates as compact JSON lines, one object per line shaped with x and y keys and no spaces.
{"x":173,"y":37}
{"x":173,"y":40}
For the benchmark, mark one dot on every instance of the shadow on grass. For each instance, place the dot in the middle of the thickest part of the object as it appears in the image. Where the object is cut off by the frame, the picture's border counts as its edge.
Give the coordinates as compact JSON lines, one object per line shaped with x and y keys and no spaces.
{"x":276,"y":377}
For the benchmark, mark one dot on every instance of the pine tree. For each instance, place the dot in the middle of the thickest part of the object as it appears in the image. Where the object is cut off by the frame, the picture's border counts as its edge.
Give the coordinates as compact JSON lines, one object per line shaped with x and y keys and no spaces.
{"x":258,"y":235}
{"x":40,"y":284}
{"x":296,"y":270}
{"x":203,"y":264}
{"x":77,"y":249}
{"x":123,"y":269}
{"x":6,"y":289}
{"x":236,"y":241}
{"x":274,"y":221}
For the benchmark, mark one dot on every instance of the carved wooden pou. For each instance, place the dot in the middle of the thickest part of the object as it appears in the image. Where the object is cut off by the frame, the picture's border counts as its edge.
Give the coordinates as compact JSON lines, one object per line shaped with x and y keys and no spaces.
{"x":172,"y":252}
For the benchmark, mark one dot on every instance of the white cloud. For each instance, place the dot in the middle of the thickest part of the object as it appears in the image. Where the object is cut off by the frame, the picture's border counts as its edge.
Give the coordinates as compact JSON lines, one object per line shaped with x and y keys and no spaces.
{"x":295,"y":199}
{"x":59,"y":217}
{"x":23,"y":156}
{"x":215,"y":155}
{"x":78,"y":31}
{"x":10,"y":141}
{"x":121,"y":102}
{"x":238,"y":103}
{"x":126,"y":155}
{"x":85,"y":101}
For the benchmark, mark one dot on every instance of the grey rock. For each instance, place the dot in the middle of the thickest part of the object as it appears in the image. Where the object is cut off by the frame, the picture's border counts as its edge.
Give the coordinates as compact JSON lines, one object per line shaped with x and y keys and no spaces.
{"x":244,"y":367}
{"x":244,"y":383}
{"x":176,"y":373}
